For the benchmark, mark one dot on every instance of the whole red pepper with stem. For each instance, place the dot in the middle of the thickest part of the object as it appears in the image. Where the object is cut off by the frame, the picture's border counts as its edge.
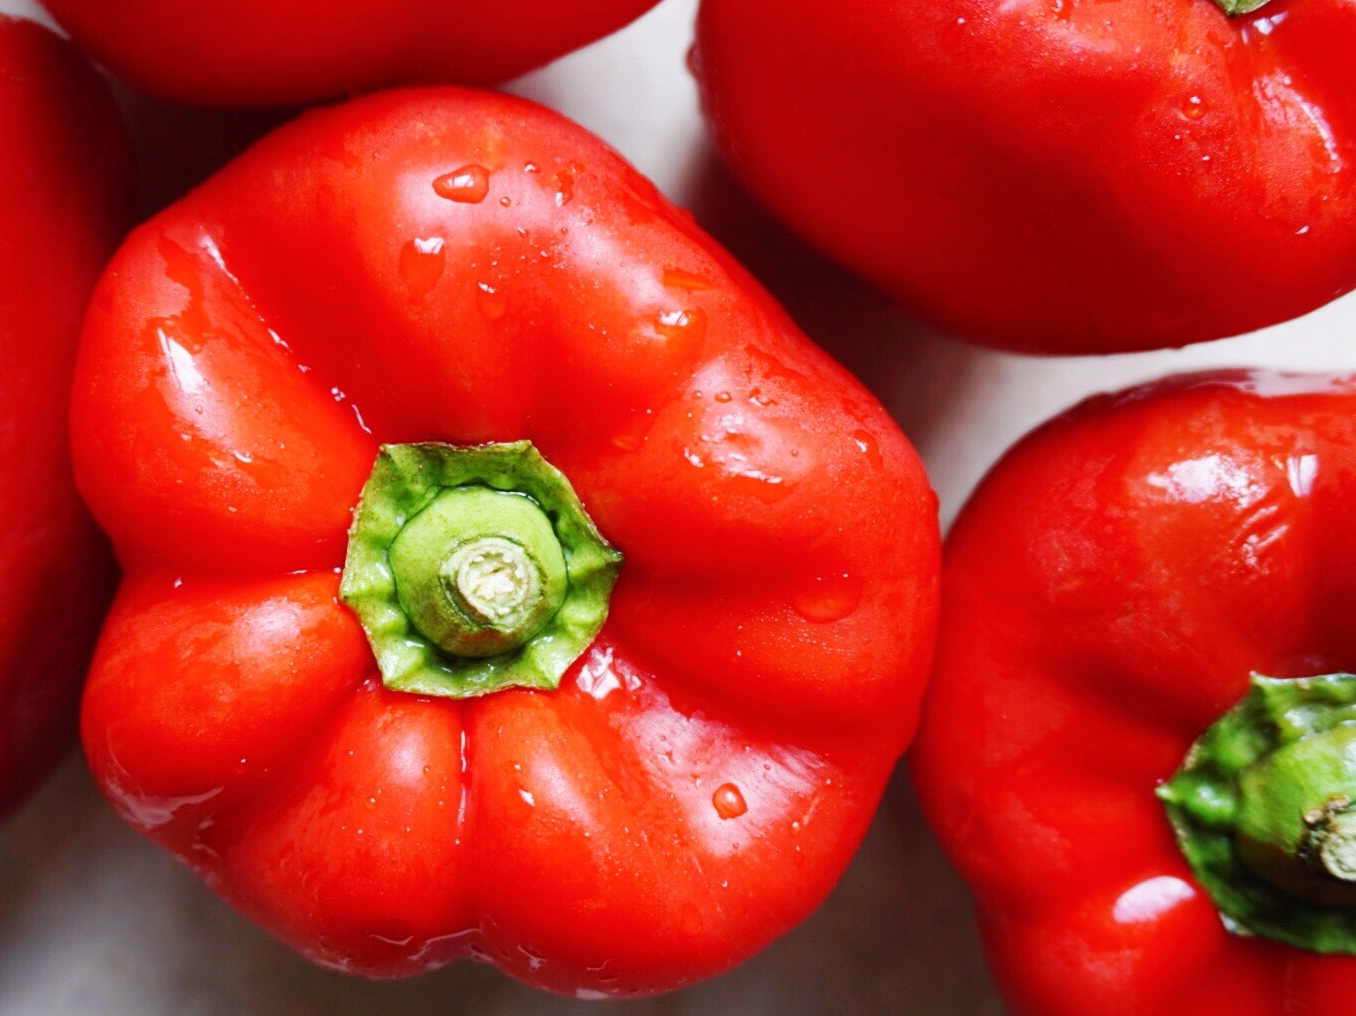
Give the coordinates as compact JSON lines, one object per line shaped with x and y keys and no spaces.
{"x":287,"y":52}
{"x":403,"y":734}
{"x":65,"y":198}
{"x":1057,"y":176}
{"x":1137,"y":744}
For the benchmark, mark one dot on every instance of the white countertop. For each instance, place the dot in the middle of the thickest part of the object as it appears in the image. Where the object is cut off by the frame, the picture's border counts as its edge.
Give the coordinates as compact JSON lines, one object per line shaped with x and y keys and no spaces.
{"x":95,"y":921}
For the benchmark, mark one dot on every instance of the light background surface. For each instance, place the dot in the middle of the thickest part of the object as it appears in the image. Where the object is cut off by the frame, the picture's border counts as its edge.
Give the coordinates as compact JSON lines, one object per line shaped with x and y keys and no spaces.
{"x":96,"y":922}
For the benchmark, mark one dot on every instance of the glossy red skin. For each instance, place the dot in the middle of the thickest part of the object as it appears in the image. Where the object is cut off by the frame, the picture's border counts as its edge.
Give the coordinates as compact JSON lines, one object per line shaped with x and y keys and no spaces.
{"x":1106,"y":594}
{"x":65,"y":198}
{"x":1036,"y":174}
{"x":771,"y":629}
{"x":272,"y":52}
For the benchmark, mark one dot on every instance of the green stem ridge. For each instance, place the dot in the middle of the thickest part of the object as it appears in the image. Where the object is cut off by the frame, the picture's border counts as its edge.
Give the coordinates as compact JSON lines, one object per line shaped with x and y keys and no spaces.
{"x":1263,"y":812}
{"x":473,"y":569}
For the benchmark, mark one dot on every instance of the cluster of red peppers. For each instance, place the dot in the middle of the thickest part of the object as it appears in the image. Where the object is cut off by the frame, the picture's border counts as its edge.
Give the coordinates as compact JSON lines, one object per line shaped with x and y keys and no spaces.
{"x":505,"y":576}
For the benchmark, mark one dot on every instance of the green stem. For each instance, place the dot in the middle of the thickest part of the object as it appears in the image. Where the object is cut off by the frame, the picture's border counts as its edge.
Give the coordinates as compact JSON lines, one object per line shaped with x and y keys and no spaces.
{"x":474,"y":569}
{"x":479,"y":572}
{"x":1263,"y":812}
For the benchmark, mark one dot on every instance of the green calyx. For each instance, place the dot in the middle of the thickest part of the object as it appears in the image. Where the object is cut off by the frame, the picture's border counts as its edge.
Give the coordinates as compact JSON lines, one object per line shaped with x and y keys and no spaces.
{"x":1236,"y":8}
{"x":473,"y":569}
{"x":1263,"y":810}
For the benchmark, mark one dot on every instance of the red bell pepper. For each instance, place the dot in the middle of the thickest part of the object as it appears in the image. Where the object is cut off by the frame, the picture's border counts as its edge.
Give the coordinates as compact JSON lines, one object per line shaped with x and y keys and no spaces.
{"x":271,"y":52}
{"x":551,"y":368}
{"x":1053,"y":175}
{"x":65,"y":199}
{"x":1138,"y":745}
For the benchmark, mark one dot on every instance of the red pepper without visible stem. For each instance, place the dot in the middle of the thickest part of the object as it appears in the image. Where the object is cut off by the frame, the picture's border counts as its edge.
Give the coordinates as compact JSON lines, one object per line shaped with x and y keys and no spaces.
{"x":65,"y":197}
{"x":283,"y":52}
{"x":553,"y":370}
{"x":1137,"y":744}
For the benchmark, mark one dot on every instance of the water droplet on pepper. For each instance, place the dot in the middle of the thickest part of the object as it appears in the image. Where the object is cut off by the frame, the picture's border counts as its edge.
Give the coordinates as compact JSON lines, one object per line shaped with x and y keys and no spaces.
{"x":869,"y":447}
{"x":491,"y":303}
{"x":828,"y":598}
{"x":678,"y":323}
{"x":729,"y":801}
{"x":467,"y":185}
{"x":681,"y":278}
{"x":422,"y":262}
{"x":564,"y":187}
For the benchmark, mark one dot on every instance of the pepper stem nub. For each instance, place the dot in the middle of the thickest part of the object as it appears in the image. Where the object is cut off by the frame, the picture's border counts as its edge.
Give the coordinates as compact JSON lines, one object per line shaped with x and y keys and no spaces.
{"x":493,"y":581}
{"x":1329,"y":842}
